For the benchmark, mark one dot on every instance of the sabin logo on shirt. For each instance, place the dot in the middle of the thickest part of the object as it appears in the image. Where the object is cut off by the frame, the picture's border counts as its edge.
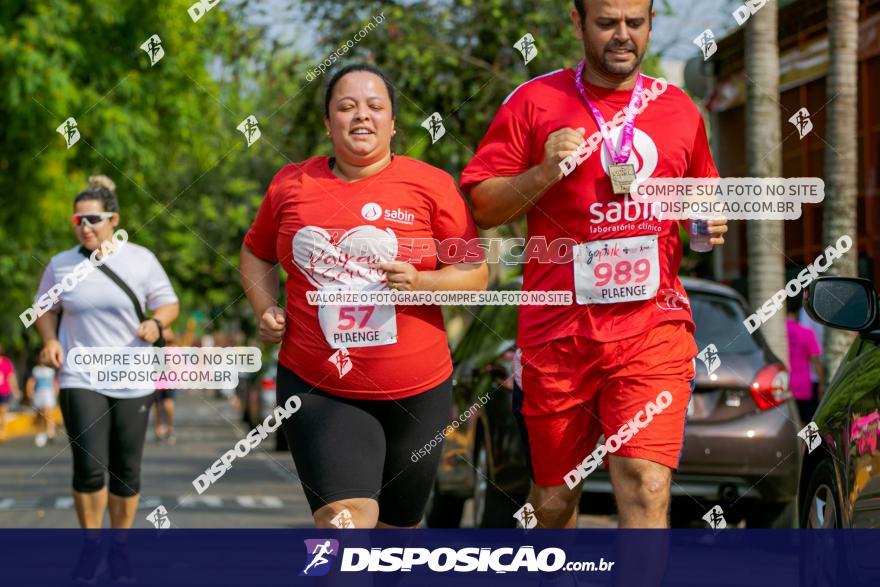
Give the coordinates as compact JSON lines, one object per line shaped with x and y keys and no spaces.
{"x":373,"y":211}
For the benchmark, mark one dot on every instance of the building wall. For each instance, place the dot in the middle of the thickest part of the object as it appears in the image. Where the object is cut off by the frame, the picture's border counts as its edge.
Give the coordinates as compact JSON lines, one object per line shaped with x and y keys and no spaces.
{"x":804,"y":158}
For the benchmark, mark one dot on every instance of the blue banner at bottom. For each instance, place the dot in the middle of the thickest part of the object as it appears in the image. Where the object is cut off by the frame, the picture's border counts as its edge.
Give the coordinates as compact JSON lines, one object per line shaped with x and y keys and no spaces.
{"x":174,"y":557}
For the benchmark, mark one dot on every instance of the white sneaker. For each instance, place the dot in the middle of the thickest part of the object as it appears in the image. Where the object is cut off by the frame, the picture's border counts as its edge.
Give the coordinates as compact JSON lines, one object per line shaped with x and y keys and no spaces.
{"x":40,"y":440}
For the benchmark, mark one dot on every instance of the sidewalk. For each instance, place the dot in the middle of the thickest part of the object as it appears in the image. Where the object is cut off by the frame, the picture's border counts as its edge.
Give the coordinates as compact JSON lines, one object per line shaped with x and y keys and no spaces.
{"x":22,"y":423}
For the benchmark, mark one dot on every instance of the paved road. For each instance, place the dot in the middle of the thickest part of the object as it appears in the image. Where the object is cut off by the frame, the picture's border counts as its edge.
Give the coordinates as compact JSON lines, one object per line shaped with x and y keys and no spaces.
{"x":259,"y":491}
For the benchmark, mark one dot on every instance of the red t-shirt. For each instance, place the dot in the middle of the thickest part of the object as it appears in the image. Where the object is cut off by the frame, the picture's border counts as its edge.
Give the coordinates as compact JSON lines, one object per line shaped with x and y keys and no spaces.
{"x":670,"y":141}
{"x":326,"y":233}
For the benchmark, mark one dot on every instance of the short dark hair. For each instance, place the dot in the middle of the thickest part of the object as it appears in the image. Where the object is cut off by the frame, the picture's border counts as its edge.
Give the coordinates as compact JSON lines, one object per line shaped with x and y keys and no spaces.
{"x":582,"y":11}
{"x":102,"y":189}
{"x":794,"y":304}
{"x":328,"y":92}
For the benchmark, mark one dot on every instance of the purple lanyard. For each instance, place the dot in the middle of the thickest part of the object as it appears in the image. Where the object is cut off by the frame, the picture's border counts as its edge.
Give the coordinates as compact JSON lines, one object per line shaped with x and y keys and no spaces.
{"x":629,"y":123}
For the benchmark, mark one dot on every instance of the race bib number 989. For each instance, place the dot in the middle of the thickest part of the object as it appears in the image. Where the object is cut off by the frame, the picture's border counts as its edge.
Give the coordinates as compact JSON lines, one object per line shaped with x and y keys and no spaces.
{"x":616,"y":270}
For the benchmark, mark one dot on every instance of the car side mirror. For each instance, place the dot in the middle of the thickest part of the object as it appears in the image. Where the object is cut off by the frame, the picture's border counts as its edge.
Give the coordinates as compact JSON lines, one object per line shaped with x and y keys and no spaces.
{"x":846,"y":303}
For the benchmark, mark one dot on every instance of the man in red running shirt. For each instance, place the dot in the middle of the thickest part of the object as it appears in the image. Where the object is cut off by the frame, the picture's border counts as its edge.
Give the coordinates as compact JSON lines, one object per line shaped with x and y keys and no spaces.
{"x":619,"y":361}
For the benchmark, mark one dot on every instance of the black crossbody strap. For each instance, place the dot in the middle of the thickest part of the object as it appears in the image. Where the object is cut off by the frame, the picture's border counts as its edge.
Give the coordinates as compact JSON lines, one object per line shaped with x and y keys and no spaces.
{"x":114,"y":277}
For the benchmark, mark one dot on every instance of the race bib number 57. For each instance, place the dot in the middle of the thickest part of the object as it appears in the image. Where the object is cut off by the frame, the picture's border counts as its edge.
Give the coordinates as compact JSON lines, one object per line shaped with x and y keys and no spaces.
{"x":616,"y":270}
{"x":358,"y":326}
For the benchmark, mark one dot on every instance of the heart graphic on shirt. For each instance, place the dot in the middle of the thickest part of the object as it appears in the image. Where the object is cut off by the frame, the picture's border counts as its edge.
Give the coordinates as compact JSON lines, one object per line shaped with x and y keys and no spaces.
{"x":643,"y":156}
{"x":346,"y":260}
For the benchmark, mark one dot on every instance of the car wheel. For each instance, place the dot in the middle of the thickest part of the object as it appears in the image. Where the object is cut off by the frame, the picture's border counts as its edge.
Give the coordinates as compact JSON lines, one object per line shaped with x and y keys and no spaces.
{"x":821,"y":508}
{"x":492,"y":508}
{"x":443,"y":511}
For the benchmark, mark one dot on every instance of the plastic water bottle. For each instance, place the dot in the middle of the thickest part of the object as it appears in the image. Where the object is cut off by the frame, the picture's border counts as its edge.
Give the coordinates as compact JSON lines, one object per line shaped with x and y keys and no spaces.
{"x":698,"y":229}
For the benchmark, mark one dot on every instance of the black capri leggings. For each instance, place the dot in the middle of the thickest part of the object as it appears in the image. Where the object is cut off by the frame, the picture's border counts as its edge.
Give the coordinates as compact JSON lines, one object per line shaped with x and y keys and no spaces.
{"x":106,"y":435}
{"x":346,"y":448}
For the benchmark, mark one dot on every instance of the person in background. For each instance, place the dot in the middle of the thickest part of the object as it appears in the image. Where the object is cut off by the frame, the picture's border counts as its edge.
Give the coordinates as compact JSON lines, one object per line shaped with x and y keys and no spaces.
{"x":803,"y":351}
{"x":106,"y":427}
{"x":819,"y":330}
{"x":42,"y":390}
{"x":165,"y":402}
{"x":8,"y":388}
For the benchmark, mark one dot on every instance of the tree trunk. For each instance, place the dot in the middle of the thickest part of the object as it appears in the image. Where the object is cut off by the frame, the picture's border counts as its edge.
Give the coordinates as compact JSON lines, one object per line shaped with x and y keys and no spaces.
{"x":766,"y":239}
{"x":841,"y":151}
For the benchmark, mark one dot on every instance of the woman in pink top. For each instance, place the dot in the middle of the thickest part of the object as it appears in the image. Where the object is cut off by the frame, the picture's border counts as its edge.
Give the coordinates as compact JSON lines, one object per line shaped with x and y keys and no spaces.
{"x":803,"y":351}
{"x":8,"y":386}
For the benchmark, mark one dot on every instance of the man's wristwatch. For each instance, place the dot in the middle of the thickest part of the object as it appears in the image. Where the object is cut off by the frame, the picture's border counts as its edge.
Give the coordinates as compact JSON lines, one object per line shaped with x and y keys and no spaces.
{"x":158,"y":323}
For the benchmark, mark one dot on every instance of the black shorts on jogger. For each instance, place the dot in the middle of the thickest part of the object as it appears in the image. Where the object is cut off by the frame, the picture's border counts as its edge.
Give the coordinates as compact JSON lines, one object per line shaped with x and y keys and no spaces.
{"x":345,"y":448}
{"x":106,"y":436}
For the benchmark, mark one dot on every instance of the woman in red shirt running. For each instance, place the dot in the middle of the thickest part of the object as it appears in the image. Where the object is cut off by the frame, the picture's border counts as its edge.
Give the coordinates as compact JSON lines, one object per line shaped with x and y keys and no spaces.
{"x":374,"y":381}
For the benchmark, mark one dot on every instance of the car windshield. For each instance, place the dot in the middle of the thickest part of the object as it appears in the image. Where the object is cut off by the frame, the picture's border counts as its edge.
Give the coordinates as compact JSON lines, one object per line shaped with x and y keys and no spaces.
{"x":719,"y":321}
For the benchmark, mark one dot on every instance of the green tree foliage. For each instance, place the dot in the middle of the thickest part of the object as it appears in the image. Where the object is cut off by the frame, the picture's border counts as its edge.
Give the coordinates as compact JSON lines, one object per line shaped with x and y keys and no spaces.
{"x":165,"y":134}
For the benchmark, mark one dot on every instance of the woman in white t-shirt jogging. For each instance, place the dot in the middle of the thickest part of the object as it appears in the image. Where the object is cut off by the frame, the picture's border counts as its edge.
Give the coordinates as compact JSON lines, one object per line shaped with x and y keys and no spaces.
{"x":106,"y":427}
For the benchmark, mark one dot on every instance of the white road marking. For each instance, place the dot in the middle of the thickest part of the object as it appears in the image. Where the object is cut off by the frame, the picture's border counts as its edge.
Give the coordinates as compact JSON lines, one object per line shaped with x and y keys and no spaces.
{"x":150,"y":502}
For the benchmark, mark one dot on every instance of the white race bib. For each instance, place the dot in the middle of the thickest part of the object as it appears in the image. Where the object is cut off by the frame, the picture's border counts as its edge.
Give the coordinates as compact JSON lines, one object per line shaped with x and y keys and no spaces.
{"x":617,"y":270}
{"x":357,"y":326}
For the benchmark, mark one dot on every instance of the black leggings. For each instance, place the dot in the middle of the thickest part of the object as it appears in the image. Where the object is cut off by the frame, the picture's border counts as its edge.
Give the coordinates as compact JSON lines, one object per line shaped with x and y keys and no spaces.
{"x":106,"y":435}
{"x":346,"y":448}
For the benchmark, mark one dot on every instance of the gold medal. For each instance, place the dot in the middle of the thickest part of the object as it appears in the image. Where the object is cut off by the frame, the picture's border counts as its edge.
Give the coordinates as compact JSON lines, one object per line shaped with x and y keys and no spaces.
{"x":622,"y":177}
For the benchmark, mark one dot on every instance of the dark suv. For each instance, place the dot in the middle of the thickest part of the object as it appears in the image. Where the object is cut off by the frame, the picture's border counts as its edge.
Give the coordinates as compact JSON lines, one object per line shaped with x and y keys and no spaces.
{"x":741,"y":448}
{"x":840,"y":478}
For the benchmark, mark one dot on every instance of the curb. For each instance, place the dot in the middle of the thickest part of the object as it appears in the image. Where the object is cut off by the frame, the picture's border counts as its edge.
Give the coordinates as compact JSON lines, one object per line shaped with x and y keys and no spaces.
{"x":22,"y":423}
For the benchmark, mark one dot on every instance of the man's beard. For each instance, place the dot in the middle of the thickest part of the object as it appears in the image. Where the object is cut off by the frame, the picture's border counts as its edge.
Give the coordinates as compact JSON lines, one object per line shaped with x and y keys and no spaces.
{"x":614,"y":68}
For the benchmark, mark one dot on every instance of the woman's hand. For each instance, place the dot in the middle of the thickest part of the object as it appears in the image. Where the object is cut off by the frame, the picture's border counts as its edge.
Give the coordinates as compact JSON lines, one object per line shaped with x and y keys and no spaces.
{"x":717,"y":228}
{"x":272,"y":325}
{"x":52,"y":354}
{"x":148,"y":331}
{"x":401,"y":275}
